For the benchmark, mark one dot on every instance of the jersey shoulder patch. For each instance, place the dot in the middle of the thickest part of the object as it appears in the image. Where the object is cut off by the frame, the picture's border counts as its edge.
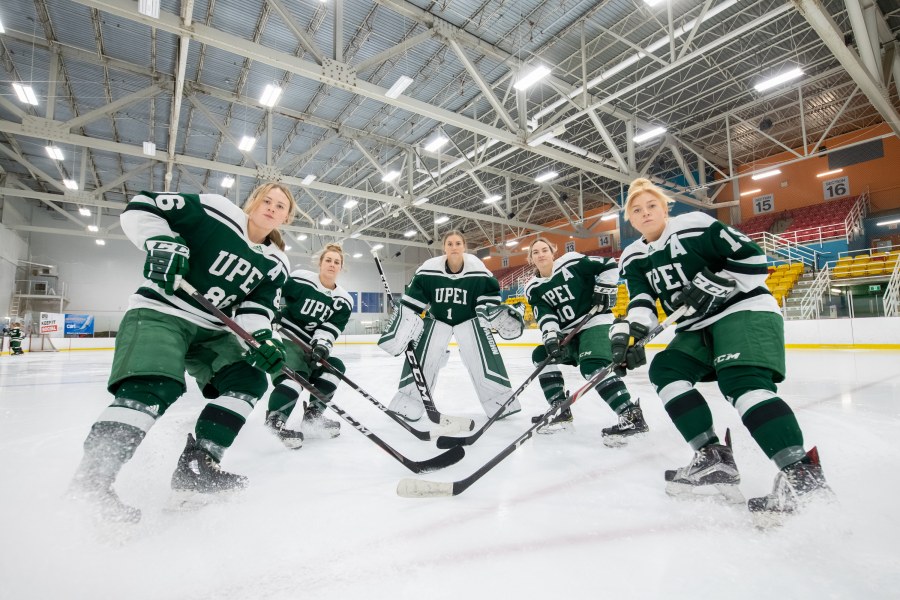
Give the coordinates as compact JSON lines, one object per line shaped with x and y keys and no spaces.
{"x":635,"y":250}
{"x":692,"y":220}
{"x":344,"y":295}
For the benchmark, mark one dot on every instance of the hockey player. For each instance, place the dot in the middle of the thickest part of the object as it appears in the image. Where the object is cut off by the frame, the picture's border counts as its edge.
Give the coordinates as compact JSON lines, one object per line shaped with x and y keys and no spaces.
{"x":316,"y":310}
{"x":561,"y":292}
{"x":463,"y":300}
{"x":732,"y":334}
{"x":16,"y":335}
{"x":235,"y":259}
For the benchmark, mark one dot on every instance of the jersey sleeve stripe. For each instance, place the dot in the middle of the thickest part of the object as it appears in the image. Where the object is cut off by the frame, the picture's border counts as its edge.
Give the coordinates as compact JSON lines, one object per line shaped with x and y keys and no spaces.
{"x":744,"y":269}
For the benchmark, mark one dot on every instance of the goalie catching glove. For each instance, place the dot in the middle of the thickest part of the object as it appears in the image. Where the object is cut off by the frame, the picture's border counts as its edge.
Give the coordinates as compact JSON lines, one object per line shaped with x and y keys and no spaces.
{"x":706,"y":293}
{"x":166,"y":262}
{"x":269,"y":355}
{"x":624,"y":352}
{"x":504,"y":318}
{"x":404,"y":327}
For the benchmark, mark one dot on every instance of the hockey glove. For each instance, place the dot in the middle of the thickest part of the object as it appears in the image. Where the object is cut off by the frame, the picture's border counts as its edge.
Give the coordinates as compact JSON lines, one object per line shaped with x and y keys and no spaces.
{"x":624,"y":352}
{"x":552,"y":345}
{"x":269,"y":355}
{"x":605,"y":296}
{"x":167,"y":261}
{"x":319,"y":350}
{"x":706,"y":293}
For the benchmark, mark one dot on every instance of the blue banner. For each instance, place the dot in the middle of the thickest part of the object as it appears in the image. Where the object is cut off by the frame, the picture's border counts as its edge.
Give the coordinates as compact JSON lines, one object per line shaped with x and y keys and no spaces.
{"x":79,"y":325}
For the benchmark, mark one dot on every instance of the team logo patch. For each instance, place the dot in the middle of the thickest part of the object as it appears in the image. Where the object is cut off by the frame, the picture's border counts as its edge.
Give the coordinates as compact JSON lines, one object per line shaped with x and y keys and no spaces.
{"x":725,"y":357}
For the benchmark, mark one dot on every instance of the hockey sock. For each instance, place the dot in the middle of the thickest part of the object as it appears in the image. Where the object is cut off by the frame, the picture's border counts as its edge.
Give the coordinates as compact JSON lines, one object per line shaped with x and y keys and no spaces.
{"x":327,"y":384}
{"x":689,"y":412}
{"x":615,"y":394}
{"x":221,"y":420}
{"x":283,"y":399}
{"x":553,"y":385}
{"x":769,"y":419}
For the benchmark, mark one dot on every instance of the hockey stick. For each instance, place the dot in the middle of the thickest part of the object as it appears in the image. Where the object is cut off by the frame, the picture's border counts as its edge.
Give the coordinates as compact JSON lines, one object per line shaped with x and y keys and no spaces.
{"x":420,"y":488}
{"x":447,"y":422}
{"x":449,"y":442}
{"x":432,"y":464}
{"x":422,"y":435}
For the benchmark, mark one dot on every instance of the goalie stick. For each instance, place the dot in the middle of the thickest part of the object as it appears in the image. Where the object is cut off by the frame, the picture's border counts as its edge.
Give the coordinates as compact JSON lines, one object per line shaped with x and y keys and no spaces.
{"x":420,"y":488}
{"x":445,"y":441}
{"x":422,"y":435}
{"x":432,"y":464}
{"x":446,"y":421}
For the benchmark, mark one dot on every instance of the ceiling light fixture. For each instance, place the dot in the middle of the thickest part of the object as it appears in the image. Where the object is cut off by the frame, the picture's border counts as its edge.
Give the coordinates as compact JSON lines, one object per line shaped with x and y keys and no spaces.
{"x":350,"y":203}
{"x":25,"y":94}
{"x":891,"y":222}
{"x":532,"y":77}
{"x":377,"y":246}
{"x":93,"y":228}
{"x":325,"y":221}
{"x":287,"y":248}
{"x":748,"y":192}
{"x":149,"y":8}
{"x":399,"y":86}
{"x":437,"y":143}
{"x":149,"y":149}
{"x":831,"y":172}
{"x":390,"y":176}
{"x":308,"y":179}
{"x":409,"y":233}
{"x":84,"y":212}
{"x":227,"y":182}
{"x":421,"y":201}
{"x":778,"y":79}
{"x":442,"y":219}
{"x":70,"y":183}
{"x":492,"y":199}
{"x":357,"y":255}
{"x":512,"y":243}
{"x":247,"y":143}
{"x":270,"y":95}
{"x":609,"y":217}
{"x":649,"y":134}
{"x":100,"y":242}
{"x":54,"y":152}
{"x":544,"y":177}
{"x":766,"y":174}
{"x":302,"y":237}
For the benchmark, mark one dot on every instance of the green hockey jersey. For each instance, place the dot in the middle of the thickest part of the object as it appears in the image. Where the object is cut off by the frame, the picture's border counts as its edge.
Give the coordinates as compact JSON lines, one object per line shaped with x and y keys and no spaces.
{"x":452,"y":298}
{"x":240,"y":277}
{"x":690,"y":242}
{"x":16,"y":334}
{"x":311,"y":310}
{"x":559,"y":301}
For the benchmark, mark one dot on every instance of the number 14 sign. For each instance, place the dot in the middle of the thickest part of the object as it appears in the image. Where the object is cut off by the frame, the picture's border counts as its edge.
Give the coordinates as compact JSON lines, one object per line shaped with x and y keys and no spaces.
{"x":836,"y":188}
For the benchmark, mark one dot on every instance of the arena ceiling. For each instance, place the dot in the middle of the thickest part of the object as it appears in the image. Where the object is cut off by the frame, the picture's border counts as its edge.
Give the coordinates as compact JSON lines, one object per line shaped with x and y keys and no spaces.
{"x":107,"y":79}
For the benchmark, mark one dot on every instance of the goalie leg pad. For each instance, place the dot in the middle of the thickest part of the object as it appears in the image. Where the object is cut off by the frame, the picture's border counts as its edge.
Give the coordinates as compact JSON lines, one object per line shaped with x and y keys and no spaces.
{"x":404,"y":327}
{"x":484,"y":364}
{"x":431,"y":350}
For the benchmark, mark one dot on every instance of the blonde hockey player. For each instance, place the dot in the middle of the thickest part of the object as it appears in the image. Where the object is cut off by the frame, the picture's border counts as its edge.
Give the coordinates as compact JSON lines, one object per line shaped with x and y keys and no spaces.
{"x":235,"y":259}
{"x":462,"y":299}
{"x":316,"y":310}
{"x":733,"y":334}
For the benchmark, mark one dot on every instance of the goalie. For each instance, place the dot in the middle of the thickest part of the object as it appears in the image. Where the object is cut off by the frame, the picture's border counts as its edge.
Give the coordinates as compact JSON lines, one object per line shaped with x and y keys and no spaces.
{"x":463,"y":300}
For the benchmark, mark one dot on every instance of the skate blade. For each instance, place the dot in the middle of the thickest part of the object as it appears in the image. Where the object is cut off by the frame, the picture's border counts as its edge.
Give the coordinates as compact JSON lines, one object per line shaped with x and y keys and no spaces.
{"x":618,"y":440}
{"x":188,"y":501}
{"x":730,"y":492}
{"x":556,"y":428}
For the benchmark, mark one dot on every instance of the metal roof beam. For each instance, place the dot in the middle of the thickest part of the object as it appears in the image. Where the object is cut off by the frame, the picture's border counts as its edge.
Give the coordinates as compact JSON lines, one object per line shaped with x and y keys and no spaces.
{"x":308,"y":43}
{"x":112,"y":107}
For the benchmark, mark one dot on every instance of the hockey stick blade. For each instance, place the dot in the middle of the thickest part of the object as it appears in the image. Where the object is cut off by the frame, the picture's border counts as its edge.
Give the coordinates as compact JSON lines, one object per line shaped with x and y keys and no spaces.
{"x":450,"y":457}
{"x":419,"y":488}
{"x":445,"y":441}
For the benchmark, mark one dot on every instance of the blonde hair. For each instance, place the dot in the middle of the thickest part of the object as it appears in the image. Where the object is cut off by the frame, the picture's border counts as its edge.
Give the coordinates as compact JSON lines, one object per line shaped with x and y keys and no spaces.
{"x":336,"y":248}
{"x":453,"y":232}
{"x":257,"y":196}
{"x":531,"y":245}
{"x":641,"y":185}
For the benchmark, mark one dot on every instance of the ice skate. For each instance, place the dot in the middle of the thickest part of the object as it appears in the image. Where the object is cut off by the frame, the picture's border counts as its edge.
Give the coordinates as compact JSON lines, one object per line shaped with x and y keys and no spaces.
{"x":795,"y":486}
{"x":561,"y":422}
{"x":289,"y":437}
{"x":102,"y":499}
{"x":631,"y":424}
{"x":712,"y":471}
{"x":199,"y":472}
{"x":317,"y":425}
